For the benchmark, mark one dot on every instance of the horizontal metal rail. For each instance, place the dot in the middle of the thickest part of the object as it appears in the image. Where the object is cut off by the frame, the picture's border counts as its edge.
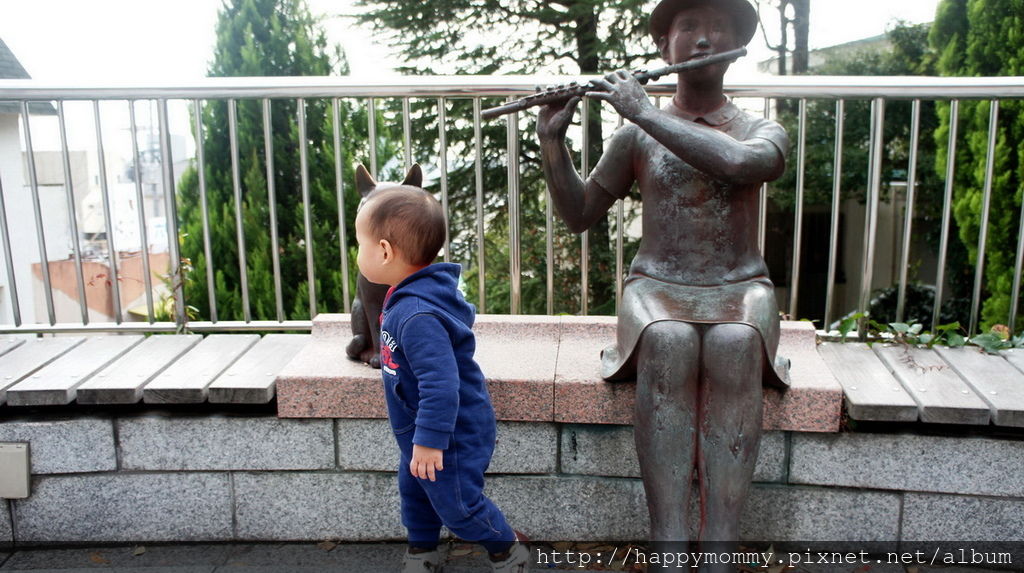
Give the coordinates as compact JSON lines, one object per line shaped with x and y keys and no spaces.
{"x":381,"y":98}
{"x":891,"y":87}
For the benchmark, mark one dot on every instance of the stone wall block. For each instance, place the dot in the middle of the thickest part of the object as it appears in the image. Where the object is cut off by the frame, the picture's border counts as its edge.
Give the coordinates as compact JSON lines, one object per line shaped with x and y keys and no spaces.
{"x":786,"y":513}
{"x":126,"y":507}
{"x":307,"y":506}
{"x":609,"y":450}
{"x":572,"y":508}
{"x":525,"y":448}
{"x":64,"y":446}
{"x":930,"y":517}
{"x":182,"y":443}
{"x":909,"y":462}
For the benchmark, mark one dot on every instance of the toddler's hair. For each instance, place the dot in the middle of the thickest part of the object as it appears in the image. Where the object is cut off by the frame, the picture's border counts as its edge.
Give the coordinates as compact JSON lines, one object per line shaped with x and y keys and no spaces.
{"x":411,"y":219}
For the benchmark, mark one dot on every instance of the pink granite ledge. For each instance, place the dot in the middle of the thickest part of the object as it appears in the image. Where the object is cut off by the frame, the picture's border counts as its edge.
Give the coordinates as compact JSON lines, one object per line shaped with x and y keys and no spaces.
{"x":542,"y":369}
{"x":812,"y":403}
{"x":516,"y":353}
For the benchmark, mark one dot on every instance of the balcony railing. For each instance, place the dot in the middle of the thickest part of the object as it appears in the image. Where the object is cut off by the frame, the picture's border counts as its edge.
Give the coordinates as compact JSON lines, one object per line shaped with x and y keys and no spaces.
{"x":42,"y":311}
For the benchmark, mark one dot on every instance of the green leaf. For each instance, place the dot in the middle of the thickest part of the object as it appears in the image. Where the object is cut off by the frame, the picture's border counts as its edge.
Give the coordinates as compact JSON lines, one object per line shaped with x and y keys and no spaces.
{"x":989,"y":342}
{"x":899,"y":327}
{"x":955,"y":340}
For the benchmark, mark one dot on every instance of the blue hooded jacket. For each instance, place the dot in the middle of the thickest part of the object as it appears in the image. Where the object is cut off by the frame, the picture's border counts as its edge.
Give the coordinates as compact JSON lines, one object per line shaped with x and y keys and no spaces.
{"x":431,"y":381}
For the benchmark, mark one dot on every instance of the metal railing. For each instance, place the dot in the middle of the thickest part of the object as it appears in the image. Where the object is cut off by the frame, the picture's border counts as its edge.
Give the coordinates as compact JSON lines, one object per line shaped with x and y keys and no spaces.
{"x":399,"y":93}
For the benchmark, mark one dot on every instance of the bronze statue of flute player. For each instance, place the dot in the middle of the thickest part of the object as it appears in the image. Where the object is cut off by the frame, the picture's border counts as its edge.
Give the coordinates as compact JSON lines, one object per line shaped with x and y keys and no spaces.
{"x":698,"y":324}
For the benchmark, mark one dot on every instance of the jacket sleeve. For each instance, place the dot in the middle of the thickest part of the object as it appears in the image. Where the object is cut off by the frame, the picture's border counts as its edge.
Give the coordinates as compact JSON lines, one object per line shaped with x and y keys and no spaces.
{"x":428,"y":349}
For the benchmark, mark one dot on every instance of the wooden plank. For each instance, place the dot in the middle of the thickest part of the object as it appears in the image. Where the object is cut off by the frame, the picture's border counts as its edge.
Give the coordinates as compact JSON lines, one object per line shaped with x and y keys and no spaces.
{"x":9,"y":344}
{"x":993,"y":379}
{"x":186,"y":381}
{"x":31,"y":356}
{"x":1015,"y":357}
{"x":56,"y":383}
{"x":870,"y":390}
{"x":941,"y":395}
{"x":250,"y":380}
{"x":122,"y":380}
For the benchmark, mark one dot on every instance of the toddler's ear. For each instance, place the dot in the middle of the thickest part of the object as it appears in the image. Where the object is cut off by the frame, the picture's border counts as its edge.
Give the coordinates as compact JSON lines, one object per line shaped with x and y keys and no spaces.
{"x":364,"y":181}
{"x":414,"y":177}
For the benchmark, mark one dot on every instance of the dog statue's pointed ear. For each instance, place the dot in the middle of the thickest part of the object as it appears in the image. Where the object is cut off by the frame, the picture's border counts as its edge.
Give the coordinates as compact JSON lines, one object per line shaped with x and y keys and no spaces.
{"x":364,"y":181}
{"x":414,"y":177}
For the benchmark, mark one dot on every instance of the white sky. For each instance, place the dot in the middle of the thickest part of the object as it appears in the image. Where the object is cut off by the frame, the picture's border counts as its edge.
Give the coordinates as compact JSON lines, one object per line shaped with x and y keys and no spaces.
{"x":169,"y":40}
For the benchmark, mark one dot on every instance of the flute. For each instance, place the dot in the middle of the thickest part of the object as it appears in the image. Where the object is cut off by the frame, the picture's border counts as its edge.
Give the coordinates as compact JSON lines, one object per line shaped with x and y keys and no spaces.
{"x":566,"y":92}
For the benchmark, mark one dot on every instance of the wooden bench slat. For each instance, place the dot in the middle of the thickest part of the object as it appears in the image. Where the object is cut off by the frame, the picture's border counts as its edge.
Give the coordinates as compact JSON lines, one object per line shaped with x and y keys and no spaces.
{"x":31,"y":356}
{"x":186,"y":380}
{"x":869,"y":388}
{"x":10,"y":344}
{"x":250,"y":380}
{"x":56,"y":383}
{"x":942,"y":396}
{"x":1015,"y":357}
{"x":121,"y":381}
{"x":993,"y":379}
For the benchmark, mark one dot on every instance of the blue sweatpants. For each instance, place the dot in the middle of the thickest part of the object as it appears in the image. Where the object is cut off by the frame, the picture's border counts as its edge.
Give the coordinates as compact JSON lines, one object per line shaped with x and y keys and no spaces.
{"x":456,"y":500}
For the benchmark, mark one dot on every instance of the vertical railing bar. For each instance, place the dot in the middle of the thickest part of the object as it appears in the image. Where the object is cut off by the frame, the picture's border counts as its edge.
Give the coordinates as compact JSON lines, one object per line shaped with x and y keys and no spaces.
{"x":108,"y":218}
{"x":947,"y":207}
{"x":173,"y":250}
{"x":1017,"y":267}
{"x":307,"y":208}
{"x":201,"y":169}
{"x":798,"y":227}
{"x":986,"y":203}
{"x":620,"y":221}
{"x":762,"y":199}
{"x":268,"y":152}
{"x":33,"y":178}
{"x":479,"y":168}
{"x":371,"y":105}
{"x":141,"y":202}
{"x":585,"y":235}
{"x":915,"y":129}
{"x":407,"y":131}
{"x":8,"y":259}
{"x":512,"y":148}
{"x":837,"y":188}
{"x":442,"y":119}
{"x":339,"y":184}
{"x":237,"y":186}
{"x":874,"y":191}
{"x":69,"y":192}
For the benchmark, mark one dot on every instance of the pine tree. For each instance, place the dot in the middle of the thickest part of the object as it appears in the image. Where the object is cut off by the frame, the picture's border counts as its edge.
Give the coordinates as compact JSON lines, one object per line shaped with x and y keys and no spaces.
{"x":494,"y":37}
{"x":269,"y":38}
{"x":984,"y":38}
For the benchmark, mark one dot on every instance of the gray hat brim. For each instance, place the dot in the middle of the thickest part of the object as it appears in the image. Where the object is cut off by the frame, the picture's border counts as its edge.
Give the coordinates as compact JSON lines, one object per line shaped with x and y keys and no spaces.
{"x":744,"y":16}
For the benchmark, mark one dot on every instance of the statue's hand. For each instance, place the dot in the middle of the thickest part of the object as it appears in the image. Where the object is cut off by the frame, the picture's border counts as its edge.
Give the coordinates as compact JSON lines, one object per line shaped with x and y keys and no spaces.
{"x":624,"y":92}
{"x":553,"y":120}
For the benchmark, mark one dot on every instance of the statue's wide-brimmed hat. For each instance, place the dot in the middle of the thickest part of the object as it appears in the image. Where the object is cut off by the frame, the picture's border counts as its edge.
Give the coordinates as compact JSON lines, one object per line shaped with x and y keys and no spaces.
{"x":744,"y":16}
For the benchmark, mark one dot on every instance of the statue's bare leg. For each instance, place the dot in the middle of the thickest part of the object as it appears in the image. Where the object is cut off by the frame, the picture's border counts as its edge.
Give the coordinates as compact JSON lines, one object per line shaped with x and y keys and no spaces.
{"x":730,"y":431}
{"x":666,"y":428}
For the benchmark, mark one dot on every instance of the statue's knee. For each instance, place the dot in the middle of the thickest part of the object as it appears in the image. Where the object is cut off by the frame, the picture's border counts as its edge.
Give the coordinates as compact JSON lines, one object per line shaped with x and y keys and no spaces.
{"x":670,"y":336}
{"x":733,"y":337}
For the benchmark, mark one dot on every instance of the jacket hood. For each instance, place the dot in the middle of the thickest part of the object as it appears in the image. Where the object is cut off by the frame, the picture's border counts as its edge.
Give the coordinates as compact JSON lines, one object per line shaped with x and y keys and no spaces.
{"x":438,"y":285}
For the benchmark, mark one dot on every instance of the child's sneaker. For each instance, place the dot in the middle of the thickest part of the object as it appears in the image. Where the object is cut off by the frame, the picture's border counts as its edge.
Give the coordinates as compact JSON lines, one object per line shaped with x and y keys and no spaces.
{"x":518,"y":560}
{"x":429,"y":562}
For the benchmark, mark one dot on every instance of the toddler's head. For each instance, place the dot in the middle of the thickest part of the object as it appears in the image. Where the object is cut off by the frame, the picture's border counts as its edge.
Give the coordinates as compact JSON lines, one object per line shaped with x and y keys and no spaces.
{"x":400,"y":229}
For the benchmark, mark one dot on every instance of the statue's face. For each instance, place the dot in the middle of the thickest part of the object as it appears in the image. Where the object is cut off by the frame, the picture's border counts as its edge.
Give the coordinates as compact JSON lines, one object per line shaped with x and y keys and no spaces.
{"x":698,"y":32}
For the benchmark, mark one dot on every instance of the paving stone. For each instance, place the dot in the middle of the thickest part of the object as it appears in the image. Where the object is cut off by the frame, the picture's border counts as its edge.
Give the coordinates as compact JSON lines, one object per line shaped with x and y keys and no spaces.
{"x":316,"y":506}
{"x":968,"y":465}
{"x":572,"y":508}
{"x":164,"y":442}
{"x":610,"y":450}
{"x":929,"y":517}
{"x":342,"y":557}
{"x":783,"y":513}
{"x":197,"y":557}
{"x":63,"y":446}
{"x":126,"y":507}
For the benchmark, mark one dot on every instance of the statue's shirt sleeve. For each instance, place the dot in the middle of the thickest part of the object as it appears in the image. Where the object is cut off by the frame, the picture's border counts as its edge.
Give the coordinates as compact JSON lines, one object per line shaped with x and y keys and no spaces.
{"x":616,"y":171}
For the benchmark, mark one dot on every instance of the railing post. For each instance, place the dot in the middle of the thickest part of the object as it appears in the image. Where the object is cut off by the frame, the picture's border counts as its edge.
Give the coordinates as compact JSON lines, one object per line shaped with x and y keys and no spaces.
{"x":170,"y":198}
